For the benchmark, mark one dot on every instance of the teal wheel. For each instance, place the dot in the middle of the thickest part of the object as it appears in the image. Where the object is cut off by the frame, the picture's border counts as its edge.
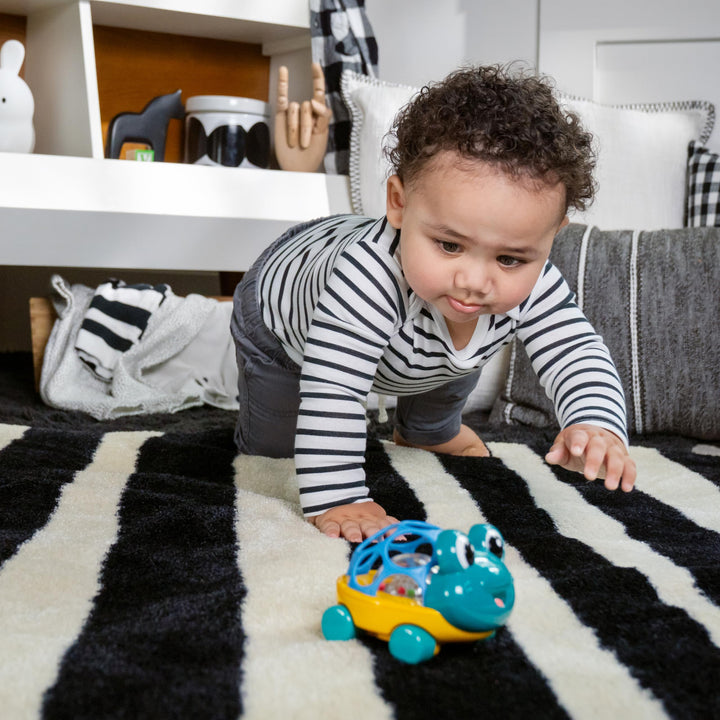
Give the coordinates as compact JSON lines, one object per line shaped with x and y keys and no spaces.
{"x":412,"y":644}
{"x":337,"y":623}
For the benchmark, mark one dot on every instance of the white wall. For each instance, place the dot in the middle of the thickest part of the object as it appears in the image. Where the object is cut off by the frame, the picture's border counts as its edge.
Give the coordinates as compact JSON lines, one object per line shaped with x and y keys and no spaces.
{"x":423,"y":40}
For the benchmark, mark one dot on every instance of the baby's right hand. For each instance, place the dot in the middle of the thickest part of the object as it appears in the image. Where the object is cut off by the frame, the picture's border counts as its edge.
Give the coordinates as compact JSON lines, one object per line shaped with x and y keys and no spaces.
{"x":353,"y":522}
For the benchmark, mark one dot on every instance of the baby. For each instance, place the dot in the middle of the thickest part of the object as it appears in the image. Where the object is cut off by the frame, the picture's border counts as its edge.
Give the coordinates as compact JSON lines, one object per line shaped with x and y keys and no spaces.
{"x":485,"y":167}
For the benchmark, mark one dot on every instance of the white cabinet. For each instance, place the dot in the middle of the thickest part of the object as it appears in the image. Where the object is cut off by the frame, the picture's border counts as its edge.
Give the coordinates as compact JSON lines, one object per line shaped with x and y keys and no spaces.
{"x":65,"y":205}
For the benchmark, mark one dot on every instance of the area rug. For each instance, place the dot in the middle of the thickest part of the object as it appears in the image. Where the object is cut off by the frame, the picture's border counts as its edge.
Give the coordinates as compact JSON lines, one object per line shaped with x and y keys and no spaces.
{"x":151,"y":572}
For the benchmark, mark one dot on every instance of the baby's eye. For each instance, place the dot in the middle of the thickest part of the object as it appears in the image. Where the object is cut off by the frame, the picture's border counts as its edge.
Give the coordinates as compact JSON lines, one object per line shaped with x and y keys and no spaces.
{"x":507,"y":261}
{"x":449,"y":247}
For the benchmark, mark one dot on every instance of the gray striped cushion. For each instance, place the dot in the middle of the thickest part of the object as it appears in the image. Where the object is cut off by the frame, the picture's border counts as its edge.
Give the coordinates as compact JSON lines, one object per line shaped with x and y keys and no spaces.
{"x":655,"y":299}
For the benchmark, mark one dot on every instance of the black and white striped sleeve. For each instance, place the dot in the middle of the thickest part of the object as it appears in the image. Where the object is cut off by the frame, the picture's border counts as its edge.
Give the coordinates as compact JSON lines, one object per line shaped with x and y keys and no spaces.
{"x":571,"y":361}
{"x":359,"y":309}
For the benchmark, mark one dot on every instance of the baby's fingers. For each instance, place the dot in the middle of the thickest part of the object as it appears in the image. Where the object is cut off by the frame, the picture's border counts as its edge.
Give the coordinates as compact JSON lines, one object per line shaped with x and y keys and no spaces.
{"x":577,"y":441}
{"x":629,"y":475}
{"x":558,"y":454}
{"x":325,"y":526}
{"x":621,"y":472}
{"x":595,"y":455}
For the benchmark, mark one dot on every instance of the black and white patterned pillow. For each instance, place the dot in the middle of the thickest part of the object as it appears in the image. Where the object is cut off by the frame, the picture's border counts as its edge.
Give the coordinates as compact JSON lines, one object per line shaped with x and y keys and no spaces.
{"x":703,"y":192}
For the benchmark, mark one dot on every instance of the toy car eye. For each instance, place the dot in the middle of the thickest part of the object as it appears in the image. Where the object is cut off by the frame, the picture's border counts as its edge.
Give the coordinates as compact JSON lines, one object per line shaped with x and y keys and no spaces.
{"x":487,"y":538}
{"x":495,"y":543}
{"x":464,"y":551}
{"x":454,"y":552}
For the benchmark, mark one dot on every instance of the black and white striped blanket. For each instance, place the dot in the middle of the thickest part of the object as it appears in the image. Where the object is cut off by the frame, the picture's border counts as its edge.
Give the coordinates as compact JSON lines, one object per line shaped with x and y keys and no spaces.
{"x":156,"y":574}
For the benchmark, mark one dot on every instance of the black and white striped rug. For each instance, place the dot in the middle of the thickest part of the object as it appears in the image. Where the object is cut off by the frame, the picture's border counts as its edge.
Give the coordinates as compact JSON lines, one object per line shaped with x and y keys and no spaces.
{"x":156,"y":574}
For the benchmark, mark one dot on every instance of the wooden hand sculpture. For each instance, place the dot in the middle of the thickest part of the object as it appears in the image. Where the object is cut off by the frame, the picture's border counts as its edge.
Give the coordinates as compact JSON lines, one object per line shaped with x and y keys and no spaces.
{"x":301,"y":130}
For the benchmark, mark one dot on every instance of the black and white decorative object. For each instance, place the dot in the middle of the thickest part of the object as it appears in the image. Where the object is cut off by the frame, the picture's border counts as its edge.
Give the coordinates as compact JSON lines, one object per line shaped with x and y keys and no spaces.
{"x":227,"y":131}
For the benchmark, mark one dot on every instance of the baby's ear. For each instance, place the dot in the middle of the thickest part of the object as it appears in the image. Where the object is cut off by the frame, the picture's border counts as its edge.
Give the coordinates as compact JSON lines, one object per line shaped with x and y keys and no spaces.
{"x":395,"y":201}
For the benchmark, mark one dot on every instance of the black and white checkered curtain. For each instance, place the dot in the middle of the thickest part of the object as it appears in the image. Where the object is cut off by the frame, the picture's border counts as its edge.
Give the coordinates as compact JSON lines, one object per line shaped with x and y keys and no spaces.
{"x":342,"y":39}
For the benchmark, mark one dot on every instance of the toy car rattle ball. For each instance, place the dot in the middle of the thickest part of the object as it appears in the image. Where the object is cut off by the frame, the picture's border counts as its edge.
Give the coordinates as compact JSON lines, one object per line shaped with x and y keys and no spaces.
{"x":416,"y":585}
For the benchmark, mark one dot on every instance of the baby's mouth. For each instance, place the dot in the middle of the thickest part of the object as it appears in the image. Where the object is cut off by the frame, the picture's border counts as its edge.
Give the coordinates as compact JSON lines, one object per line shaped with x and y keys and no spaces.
{"x":462,"y":307}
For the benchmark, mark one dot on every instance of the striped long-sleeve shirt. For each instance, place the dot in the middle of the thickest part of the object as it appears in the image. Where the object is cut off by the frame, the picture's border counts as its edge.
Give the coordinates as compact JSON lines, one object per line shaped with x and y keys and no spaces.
{"x":335,"y":297}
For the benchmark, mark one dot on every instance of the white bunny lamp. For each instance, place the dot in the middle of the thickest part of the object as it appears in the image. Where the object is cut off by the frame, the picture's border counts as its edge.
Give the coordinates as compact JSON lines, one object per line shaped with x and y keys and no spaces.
{"x":17,"y":106}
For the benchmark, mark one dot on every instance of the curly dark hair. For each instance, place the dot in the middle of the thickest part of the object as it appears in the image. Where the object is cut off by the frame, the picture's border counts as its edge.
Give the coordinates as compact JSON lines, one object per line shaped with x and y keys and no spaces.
{"x":502,"y":115}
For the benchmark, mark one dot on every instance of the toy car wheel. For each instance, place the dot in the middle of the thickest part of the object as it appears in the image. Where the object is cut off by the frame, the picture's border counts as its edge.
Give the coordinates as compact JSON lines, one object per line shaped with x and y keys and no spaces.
{"x":412,"y":644}
{"x":337,"y":623}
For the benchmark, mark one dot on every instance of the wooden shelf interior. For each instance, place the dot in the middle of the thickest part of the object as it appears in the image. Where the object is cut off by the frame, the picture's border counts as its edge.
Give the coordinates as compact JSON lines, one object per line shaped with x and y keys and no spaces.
{"x":134,"y":66}
{"x":13,"y":27}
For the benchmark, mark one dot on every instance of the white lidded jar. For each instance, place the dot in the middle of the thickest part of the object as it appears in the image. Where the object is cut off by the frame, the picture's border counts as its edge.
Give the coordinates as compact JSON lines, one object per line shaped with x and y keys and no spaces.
{"x":227,"y":131}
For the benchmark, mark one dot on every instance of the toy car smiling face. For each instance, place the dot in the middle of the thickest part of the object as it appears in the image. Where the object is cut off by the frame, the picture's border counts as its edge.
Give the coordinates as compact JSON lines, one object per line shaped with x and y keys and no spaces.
{"x":417,"y":585}
{"x":470,"y":585}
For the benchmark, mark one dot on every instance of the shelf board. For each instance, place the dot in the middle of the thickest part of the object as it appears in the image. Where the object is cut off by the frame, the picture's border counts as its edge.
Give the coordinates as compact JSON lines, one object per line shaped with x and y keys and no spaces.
{"x":252,"y":21}
{"x":117,"y":213}
{"x":255,"y":21}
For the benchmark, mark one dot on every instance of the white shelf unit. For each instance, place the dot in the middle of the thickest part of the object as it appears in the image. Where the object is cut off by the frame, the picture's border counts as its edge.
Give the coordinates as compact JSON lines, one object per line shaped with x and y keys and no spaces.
{"x":65,"y":205}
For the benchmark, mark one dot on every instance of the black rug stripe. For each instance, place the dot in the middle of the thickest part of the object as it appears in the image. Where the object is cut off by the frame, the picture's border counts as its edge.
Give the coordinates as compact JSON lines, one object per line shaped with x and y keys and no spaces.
{"x":492,"y":678}
{"x":164,"y":638}
{"x":388,"y":488}
{"x":488,"y":679}
{"x":665,"y":529}
{"x":33,"y":470}
{"x":665,"y":649}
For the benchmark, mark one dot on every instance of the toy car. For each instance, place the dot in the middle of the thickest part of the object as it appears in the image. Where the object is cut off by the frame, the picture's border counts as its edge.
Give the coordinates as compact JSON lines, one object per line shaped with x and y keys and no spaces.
{"x":416,"y":585}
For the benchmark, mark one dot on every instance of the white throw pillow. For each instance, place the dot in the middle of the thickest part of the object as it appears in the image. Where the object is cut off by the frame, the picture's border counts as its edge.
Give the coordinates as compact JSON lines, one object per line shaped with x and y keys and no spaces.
{"x":373,"y":105}
{"x":642,"y":161}
{"x":642,"y":153}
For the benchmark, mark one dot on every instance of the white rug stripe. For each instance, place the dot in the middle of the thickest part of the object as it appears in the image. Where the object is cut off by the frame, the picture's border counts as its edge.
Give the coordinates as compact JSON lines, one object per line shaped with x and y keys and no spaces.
{"x":47,"y":587}
{"x":8,"y":433}
{"x":447,"y":503}
{"x":587,"y":679}
{"x":576,"y":518}
{"x":290,"y":570}
{"x":676,"y":485}
{"x":704,"y":449}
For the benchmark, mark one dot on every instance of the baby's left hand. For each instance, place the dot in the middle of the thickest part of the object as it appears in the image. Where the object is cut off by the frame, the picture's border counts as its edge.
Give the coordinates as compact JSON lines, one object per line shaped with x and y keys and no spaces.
{"x":595,"y":452}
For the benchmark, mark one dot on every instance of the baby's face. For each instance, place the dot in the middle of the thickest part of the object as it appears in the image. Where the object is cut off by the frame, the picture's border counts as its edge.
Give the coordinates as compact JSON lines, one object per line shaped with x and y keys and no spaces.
{"x":474,"y":239}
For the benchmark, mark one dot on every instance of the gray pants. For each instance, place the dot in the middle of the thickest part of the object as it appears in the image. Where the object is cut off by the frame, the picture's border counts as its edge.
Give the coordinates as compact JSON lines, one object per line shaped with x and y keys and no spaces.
{"x":269,"y":384}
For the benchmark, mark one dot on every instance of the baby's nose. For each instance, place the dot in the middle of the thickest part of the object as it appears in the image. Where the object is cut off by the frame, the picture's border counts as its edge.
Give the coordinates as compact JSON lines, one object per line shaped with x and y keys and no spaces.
{"x":474,"y":279}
